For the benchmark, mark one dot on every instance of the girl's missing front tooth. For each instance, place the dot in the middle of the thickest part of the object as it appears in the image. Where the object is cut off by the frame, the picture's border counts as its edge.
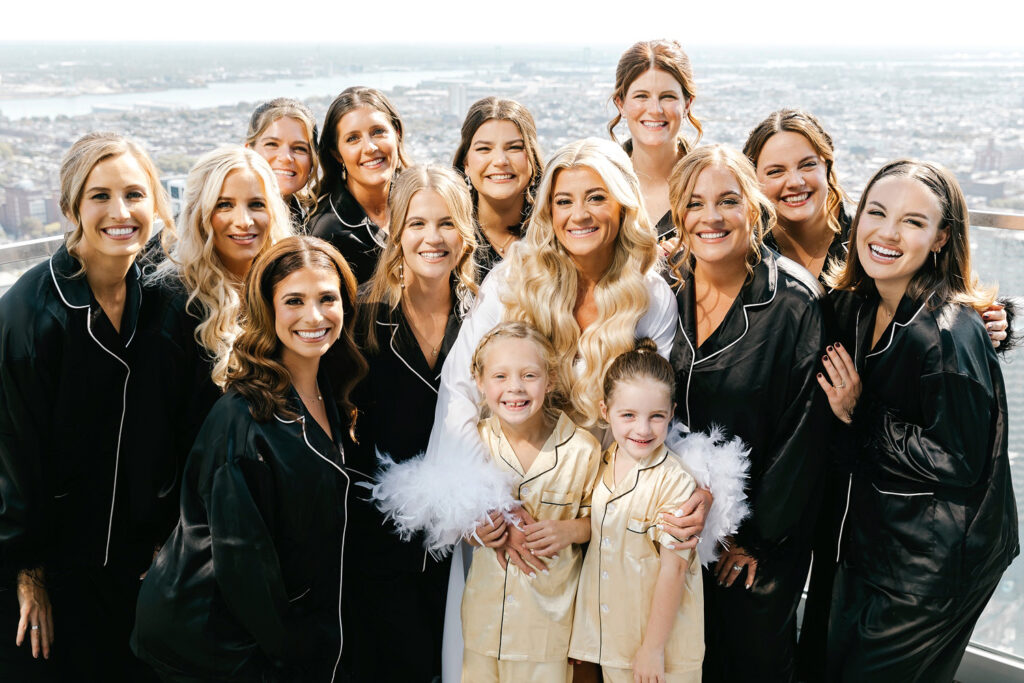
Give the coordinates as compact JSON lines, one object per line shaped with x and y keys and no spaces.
{"x":517,"y":608}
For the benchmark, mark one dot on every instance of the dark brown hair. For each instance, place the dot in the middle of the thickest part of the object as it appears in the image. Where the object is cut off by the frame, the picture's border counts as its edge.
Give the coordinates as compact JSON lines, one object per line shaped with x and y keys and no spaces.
{"x":643,"y":361}
{"x":663,"y":55}
{"x":257,"y":372}
{"x":327,"y":148}
{"x":804,"y":123}
{"x":499,"y":109}
{"x":949,"y":277}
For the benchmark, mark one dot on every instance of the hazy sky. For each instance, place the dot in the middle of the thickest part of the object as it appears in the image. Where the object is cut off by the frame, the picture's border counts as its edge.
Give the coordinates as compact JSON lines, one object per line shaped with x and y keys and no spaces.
{"x":869,"y":23}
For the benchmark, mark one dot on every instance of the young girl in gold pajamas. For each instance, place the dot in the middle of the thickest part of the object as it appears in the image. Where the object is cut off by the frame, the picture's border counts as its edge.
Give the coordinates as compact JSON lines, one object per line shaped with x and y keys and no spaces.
{"x":516,"y":625}
{"x":639,"y":610}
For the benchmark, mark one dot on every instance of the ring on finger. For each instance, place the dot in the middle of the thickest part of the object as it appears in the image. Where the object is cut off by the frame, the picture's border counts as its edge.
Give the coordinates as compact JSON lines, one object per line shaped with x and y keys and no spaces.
{"x":737,"y":567}
{"x":841,"y":385}
{"x":35,"y":627}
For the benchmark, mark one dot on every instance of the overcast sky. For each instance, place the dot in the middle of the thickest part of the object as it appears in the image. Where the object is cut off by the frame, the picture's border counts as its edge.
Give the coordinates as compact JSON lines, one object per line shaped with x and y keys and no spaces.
{"x":868,"y":23}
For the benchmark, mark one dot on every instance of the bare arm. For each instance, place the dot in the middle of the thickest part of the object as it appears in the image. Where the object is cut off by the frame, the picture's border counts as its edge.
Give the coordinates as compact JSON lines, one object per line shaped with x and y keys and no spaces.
{"x":649,"y":662}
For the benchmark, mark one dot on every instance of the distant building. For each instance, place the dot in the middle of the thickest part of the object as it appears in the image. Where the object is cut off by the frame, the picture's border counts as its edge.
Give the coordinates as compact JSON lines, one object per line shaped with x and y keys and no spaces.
{"x":994,"y":157}
{"x":457,"y":102}
{"x":175,"y":186}
{"x":24,"y":201}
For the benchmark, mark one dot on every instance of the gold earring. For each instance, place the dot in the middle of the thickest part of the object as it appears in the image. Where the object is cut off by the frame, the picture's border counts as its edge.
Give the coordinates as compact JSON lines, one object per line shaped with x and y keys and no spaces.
{"x":401,"y":274}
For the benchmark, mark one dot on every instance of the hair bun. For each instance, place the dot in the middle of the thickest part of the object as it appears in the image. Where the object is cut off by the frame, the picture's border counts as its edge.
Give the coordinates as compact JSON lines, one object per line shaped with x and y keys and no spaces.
{"x":645,"y":344}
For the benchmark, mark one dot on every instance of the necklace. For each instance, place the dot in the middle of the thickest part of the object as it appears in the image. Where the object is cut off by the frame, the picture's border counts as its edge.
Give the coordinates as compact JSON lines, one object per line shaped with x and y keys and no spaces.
{"x":319,"y":396}
{"x":423,"y":338}
{"x":501,"y":249}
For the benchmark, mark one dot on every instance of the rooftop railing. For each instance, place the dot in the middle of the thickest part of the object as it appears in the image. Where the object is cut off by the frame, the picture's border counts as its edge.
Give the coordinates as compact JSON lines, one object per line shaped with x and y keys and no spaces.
{"x":997,"y":649}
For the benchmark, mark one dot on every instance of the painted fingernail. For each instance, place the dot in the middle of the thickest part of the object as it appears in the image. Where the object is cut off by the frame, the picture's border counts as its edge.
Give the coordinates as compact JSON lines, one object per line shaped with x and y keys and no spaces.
{"x":824,"y":358}
{"x":670,"y":546}
{"x":533,"y":575}
{"x":545,"y":572}
{"x":678,"y":513}
{"x":820,"y":375}
{"x":749,"y":585}
{"x":830,"y":349}
{"x":838,"y":345}
{"x":660,"y":526}
{"x":986,"y":316}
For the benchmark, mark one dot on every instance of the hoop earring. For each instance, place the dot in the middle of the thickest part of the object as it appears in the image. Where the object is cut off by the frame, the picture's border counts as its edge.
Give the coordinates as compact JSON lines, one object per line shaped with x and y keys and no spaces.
{"x":401,"y":274}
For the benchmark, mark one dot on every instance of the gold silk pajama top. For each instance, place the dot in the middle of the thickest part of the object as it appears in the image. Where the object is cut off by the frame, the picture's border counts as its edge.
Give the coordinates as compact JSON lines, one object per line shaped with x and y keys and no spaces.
{"x":622,"y":564}
{"x":506,"y":614}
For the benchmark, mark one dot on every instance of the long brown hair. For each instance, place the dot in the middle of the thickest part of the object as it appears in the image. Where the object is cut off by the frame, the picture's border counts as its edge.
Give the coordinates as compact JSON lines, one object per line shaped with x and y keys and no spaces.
{"x":499,"y":109}
{"x":949,"y":277}
{"x":804,"y":123}
{"x":349,"y":99}
{"x":663,"y":55}
{"x":257,"y":372}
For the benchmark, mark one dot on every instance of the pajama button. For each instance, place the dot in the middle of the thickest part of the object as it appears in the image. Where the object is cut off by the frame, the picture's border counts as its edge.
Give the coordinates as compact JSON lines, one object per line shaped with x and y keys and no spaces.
{"x":604,"y":574}
{"x":606,"y":542}
{"x":611,"y":507}
{"x":604,"y":608}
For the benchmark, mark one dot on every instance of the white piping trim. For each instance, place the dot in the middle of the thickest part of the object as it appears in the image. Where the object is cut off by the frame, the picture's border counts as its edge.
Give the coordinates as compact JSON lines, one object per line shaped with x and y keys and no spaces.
{"x":842,"y":524}
{"x":300,"y":595}
{"x":903,"y":495}
{"x":330,"y":200}
{"x":394,"y":331}
{"x":892,"y":332}
{"x":124,"y":408}
{"x":56,"y":284}
{"x":746,"y":328}
{"x":120,"y":430}
{"x":344,"y":529}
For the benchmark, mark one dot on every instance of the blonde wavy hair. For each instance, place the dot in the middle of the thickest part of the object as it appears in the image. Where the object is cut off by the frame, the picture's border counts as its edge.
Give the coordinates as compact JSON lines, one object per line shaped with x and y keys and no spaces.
{"x":193,"y":263}
{"x":77,"y":164}
{"x":543,"y":278}
{"x":385,"y":287}
{"x":760,"y":210}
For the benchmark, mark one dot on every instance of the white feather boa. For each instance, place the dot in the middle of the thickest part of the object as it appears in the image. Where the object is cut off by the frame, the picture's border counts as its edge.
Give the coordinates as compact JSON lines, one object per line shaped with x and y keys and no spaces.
{"x":417,"y":496}
{"x":721,"y":465}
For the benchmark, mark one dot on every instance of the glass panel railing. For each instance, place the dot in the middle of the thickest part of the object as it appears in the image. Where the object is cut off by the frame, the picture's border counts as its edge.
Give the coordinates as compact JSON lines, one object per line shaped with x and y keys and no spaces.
{"x":998,"y":257}
{"x":17,"y":257}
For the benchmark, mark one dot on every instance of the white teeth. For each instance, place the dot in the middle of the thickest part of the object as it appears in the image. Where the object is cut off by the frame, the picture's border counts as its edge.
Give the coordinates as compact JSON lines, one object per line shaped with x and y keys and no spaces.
{"x":579,"y":232}
{"x":712,"y":235}
{"x":119,"y":232}
{"x":312,"y":334}
{"x":654,"y":124}
{"x":373,"y":163}
{"x":433,"y":254}
{"x":242,"y":238}
{"x":287,"y":174}
{"x":501,"y":176}
{"x":515,"y":404}
{"x":887,"y":253}
{"x":796,"y":198}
